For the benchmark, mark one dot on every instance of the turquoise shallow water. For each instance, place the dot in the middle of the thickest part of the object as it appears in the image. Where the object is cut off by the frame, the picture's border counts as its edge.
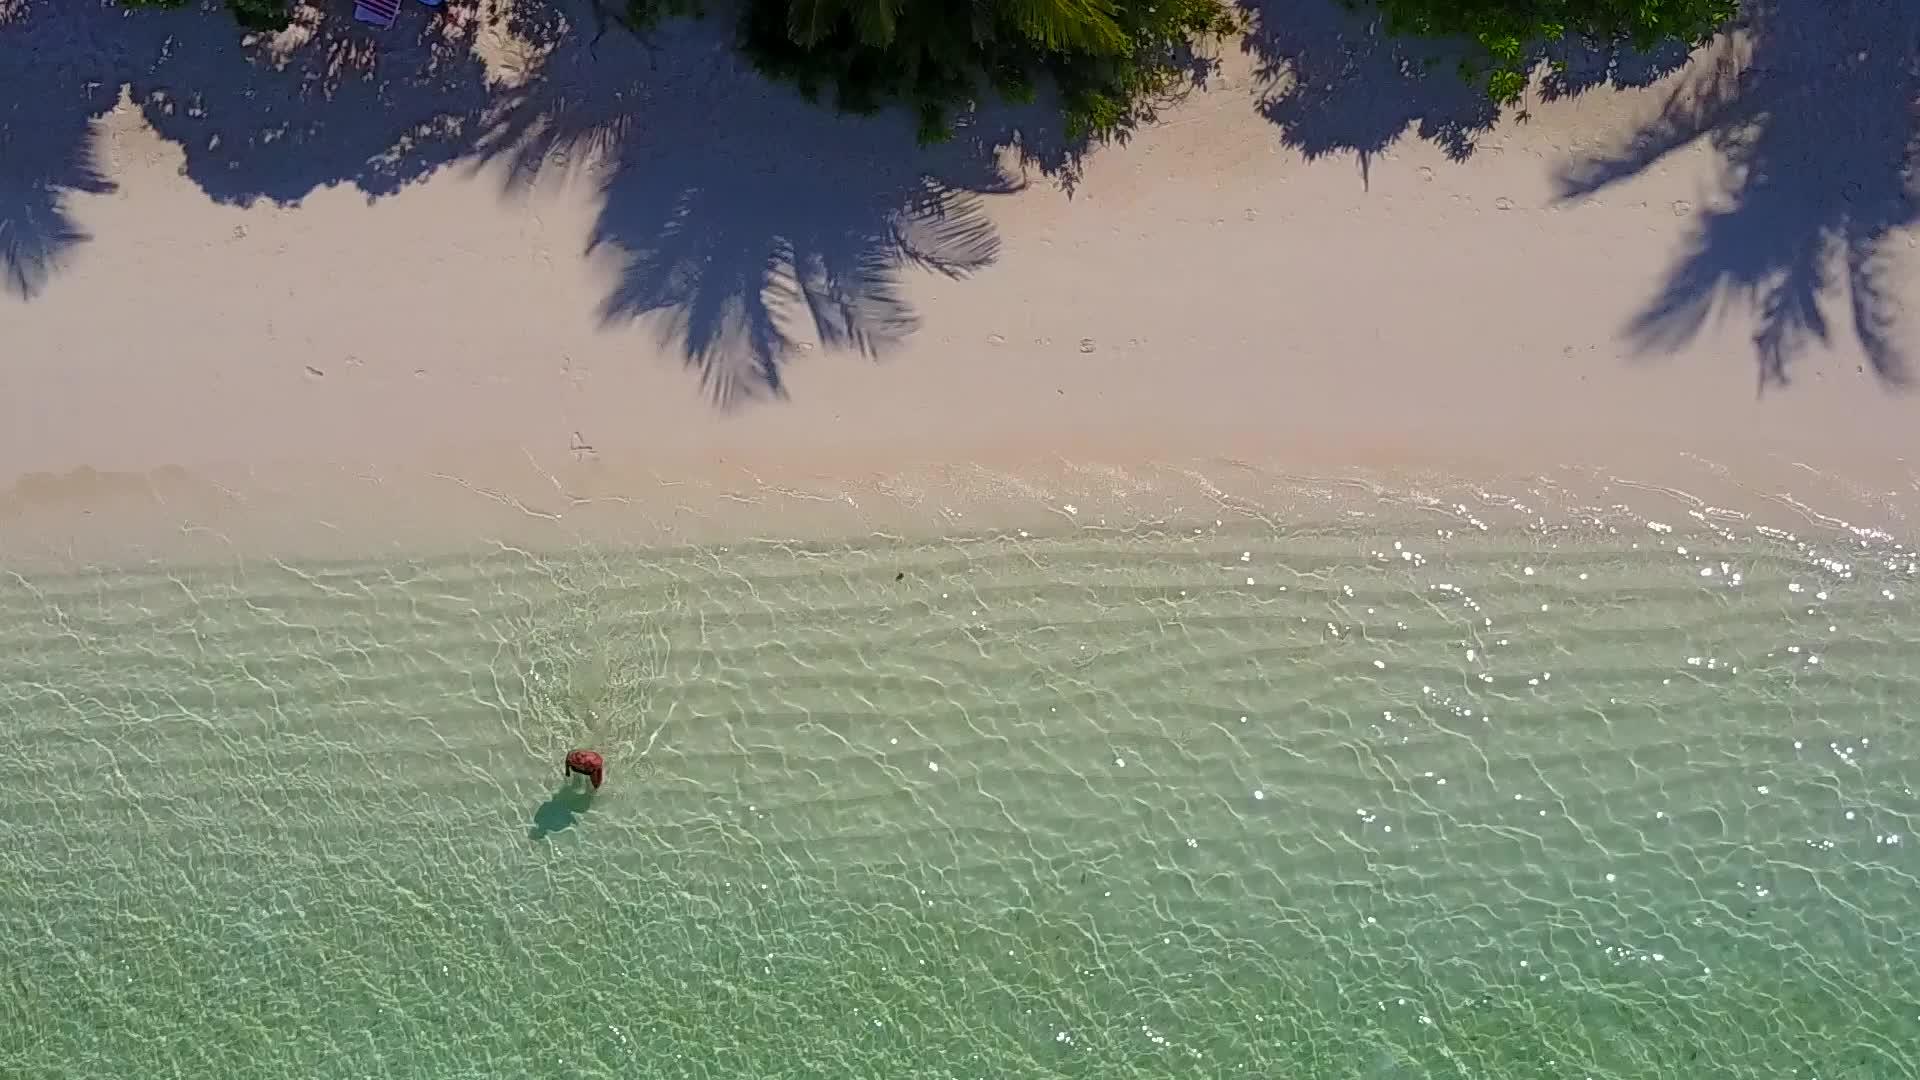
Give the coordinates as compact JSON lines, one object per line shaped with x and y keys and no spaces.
{"x":1464,"y":791}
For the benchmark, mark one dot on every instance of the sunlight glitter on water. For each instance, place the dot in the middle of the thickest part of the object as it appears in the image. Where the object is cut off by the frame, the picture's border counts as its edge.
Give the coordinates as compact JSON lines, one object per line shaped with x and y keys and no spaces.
{"x":957,"y":804}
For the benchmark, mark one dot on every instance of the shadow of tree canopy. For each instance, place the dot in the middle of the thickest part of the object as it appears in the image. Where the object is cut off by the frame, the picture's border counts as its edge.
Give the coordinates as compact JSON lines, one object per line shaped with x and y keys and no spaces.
{"x":1813,"y":108}
{"x":1334,"y":80}
{"x":46,"y":148}
{"x":743,"y":218}
{"x":330,"y":102}
{"x":42,"y":158}
{"x":257,"y":117}
{"x":740,"y":235}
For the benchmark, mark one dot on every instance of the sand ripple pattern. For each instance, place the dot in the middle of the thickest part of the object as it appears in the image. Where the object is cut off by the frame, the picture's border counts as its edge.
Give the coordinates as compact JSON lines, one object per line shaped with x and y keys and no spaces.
{"x":1479,"y":790}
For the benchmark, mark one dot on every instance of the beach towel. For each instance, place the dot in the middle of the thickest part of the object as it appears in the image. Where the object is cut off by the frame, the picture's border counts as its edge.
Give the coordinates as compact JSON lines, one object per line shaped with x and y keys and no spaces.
{"x":380,"y":13}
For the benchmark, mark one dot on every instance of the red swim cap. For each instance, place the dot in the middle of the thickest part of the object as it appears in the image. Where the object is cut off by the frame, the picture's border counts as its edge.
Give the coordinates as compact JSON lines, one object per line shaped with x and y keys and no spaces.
{"x":588,"y":762}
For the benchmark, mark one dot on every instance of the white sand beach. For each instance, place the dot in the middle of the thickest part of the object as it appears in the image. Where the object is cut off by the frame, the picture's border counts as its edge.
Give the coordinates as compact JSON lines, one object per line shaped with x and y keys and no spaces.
{"x":422,"y":251}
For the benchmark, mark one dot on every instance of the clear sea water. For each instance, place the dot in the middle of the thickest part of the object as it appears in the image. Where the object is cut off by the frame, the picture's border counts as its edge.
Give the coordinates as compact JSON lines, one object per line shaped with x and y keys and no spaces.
{"x":1474,"y":788}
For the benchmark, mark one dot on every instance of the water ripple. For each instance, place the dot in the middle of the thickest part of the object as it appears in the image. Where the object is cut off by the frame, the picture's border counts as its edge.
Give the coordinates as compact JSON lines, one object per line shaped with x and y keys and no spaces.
{"x":1498,"y":787}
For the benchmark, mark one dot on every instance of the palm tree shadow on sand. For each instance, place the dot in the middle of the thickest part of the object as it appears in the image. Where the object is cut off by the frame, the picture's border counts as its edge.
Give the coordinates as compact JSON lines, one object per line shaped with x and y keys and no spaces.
{"x":330,"y":103}
{"x":1336,"y":81}
{"x":47,"y":151}
{"x":562,"y":809}
{"x":1811,"y":105}
{"x":741,"y":223}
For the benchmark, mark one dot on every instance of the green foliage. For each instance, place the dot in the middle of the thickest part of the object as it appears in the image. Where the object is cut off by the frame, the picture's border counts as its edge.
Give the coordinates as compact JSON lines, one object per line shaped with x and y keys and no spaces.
{"x":1506,"y":84}
{"x":261,"y":14}
{"x":1506,"y":29}
{"x":252,"y":14}
{"x":643,"y":15}
{"x":1109,"y":58}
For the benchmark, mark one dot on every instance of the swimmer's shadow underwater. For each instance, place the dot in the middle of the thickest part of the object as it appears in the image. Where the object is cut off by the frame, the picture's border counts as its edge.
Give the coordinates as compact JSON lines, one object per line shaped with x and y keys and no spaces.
{"x":571,"y":801}
{"x":565,"y":807}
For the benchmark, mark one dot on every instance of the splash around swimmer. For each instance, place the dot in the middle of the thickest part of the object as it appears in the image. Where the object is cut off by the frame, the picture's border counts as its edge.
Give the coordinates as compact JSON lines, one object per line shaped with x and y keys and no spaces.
{"x":587,"y":763}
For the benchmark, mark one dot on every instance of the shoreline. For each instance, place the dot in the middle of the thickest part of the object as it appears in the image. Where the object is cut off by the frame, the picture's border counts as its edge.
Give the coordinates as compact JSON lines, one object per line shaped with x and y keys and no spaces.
{"x":179,"y":518}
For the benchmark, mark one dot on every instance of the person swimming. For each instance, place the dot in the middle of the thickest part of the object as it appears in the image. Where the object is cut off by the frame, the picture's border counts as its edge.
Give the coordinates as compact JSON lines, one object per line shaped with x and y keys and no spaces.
{"x":589,"y":764}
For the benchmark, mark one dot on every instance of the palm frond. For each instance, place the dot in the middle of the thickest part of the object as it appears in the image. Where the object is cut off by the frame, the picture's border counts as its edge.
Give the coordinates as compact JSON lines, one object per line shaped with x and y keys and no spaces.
{"x":1061,"y":25}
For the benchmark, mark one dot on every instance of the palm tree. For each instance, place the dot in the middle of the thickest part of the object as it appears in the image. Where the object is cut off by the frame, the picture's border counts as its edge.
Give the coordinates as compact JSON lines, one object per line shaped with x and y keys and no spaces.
{"x":936,"y":55}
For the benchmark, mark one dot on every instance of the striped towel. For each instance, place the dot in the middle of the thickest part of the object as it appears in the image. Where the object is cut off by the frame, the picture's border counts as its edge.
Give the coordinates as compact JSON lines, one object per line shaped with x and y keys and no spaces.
{"x":378,"y":12}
